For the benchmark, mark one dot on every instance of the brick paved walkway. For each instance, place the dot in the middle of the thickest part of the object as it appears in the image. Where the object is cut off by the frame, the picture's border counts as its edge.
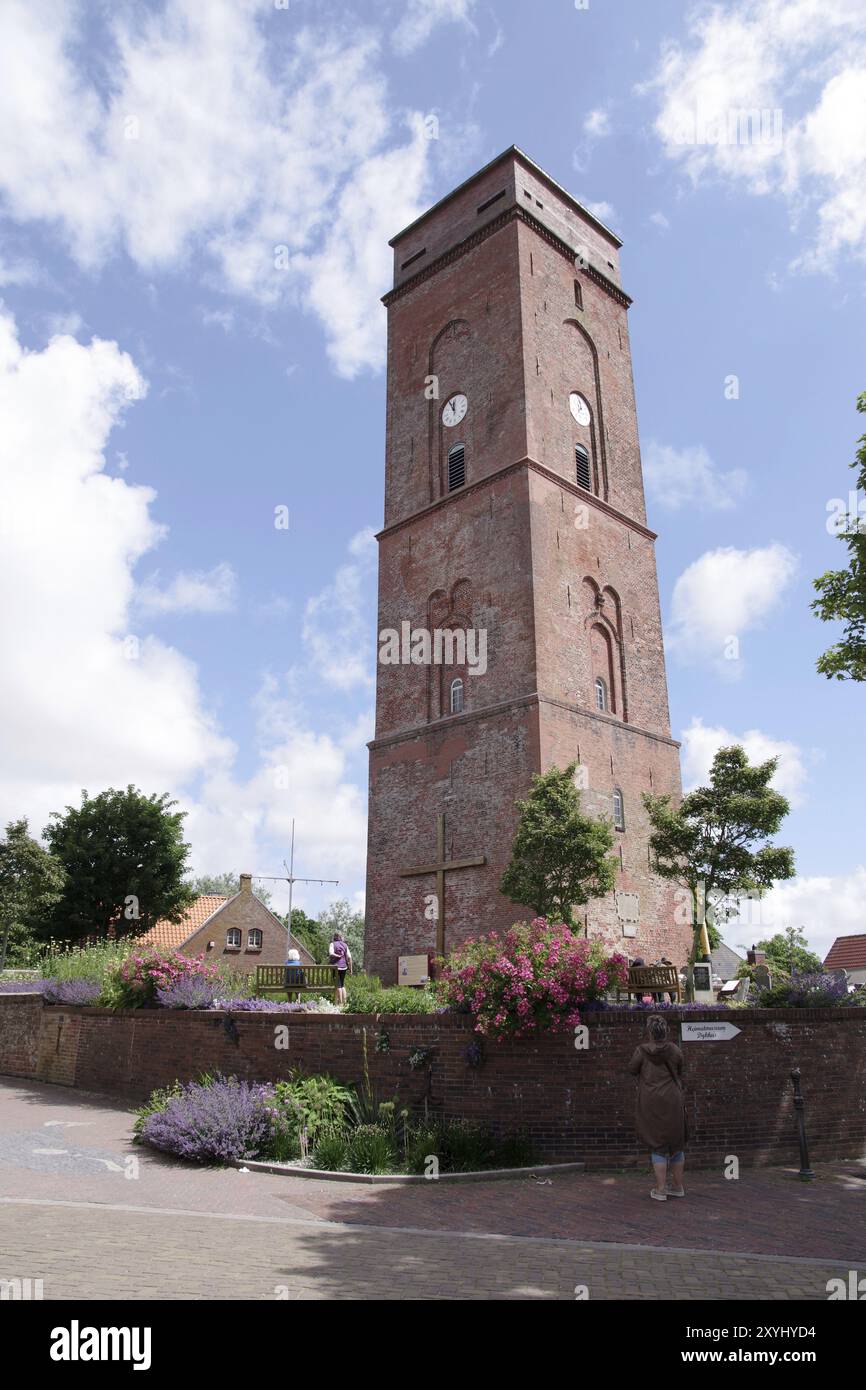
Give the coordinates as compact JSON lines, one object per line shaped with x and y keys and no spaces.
{"x":75,"y":1212}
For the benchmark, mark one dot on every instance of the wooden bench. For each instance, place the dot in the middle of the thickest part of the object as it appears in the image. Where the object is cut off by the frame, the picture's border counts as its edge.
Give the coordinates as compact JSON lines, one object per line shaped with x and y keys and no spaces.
{"x":652,"y":979}
{"x":318,"y":979}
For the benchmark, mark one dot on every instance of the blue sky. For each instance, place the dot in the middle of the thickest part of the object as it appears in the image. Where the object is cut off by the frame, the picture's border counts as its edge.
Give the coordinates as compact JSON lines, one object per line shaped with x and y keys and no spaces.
{"x":196,"y":202}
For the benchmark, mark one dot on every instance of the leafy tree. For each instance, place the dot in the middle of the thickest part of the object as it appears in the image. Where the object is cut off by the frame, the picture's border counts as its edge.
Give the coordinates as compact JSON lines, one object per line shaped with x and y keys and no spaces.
{"x":125,"y":860}
{"x":31,"y":880}
{"x":788,"y":953}
{"x":340,"y":917}
{"x":715,"y":843}
{"x":560,"y":857}
{"x":309,"y":934}
{"x":842,"y":593}
{"x":226,"y":885}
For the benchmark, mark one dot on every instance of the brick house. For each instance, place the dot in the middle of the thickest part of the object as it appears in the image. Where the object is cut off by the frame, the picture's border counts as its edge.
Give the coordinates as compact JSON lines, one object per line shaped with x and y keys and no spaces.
{"x":239,"y":929}
{"x":848,"y":953}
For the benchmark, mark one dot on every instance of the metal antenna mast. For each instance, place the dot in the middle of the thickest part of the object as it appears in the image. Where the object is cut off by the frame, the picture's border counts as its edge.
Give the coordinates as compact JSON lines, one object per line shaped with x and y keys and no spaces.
{"x":291,"y":880}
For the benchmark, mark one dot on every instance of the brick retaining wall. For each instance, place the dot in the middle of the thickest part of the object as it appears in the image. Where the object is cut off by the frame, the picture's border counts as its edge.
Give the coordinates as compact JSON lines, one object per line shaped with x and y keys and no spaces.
{"x":574,"y":1104}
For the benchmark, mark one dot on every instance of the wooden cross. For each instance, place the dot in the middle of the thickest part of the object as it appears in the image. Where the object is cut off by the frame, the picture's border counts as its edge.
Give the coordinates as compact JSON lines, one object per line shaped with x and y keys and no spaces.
{"x":440,"y":868}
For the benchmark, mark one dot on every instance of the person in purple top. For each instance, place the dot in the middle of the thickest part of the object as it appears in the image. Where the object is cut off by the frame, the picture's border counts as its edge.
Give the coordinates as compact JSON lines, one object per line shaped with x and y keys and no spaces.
{"x":340,"y":957}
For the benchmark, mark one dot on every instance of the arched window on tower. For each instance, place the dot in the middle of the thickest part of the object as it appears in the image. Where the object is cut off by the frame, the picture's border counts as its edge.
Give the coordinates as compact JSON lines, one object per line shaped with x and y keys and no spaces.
{"x":456,"y":466}
{"x":456,"y":702}
{"x":618,"y":810}
{"x":582,"y":469}
{"x":600,"y":693}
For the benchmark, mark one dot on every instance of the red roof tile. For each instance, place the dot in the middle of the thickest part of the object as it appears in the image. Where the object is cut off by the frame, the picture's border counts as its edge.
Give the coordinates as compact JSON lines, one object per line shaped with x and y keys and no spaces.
{"x":171,"y":935}
{"x":847,"y":953}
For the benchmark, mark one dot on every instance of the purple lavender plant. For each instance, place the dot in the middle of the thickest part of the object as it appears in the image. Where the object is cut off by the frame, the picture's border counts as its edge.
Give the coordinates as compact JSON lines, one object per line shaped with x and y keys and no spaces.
{"x":74,"y":991}
{"x":189,"y":992}
{"x":23,"y":986}
{"x":818,"y":991}
{"x":227,"y":1119}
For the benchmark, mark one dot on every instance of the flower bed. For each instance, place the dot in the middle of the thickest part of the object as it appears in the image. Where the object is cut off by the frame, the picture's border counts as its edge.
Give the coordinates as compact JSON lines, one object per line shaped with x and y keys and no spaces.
{"x":317,"y":1122}
{"x":535,"y":978}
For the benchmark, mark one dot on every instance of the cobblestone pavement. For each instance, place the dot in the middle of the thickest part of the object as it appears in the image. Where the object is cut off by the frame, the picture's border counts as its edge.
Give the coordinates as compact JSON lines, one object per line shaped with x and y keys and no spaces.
{"x":94,"y":1217}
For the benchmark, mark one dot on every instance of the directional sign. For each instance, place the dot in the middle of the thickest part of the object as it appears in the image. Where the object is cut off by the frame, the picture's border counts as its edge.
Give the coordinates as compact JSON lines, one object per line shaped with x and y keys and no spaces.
{"x":708,"y":1032}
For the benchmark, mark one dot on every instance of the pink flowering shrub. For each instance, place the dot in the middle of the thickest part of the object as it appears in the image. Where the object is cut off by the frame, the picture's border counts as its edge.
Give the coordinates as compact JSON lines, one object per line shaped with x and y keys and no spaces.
{"x":133,"y":982}
{"x":533,"y":979}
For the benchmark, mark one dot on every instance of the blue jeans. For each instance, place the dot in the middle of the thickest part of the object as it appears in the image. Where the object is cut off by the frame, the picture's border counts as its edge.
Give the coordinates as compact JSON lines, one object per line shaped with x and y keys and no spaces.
{"x":674,"y":1158}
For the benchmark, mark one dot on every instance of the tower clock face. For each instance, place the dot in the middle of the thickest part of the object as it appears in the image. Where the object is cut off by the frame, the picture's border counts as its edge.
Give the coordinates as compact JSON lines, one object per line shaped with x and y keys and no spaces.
{"x":579,"y":408}
{"x":454,"y":410}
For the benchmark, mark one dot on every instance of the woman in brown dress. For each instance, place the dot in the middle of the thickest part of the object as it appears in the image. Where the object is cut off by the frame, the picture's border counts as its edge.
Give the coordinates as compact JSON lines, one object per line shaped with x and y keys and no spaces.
{"x":660,"y":1117}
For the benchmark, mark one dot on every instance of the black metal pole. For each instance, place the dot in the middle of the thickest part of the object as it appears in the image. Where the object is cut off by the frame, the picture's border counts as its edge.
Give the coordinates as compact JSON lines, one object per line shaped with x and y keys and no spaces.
{"x":806,"y":1174}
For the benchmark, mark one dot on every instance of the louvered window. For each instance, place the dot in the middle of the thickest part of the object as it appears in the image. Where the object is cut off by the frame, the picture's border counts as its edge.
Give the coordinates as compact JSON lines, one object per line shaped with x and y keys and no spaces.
{"x":456,"y":467}
{"x":581,"y":465}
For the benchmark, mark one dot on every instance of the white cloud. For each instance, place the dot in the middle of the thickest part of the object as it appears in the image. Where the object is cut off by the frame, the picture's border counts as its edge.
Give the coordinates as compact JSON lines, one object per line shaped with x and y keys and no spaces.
{"x":305,"y":776}
{"x":423,"y":16}
{"x":701,"y":742}
{"x":688,"y":477}
{"x":803,"y":63}
{"x":89,"y":701}
{"x":723,"y":595}
{"x":270,"y":155}
{"x":824,"y":906}
{"x":659,"y":220}
{"x":218,"y":318}
{"x":605,"y":212}
{"x":191,"y":591}
{"x":86,"y":702}
{"x":338,"y":638}
{"x":597,"y":123}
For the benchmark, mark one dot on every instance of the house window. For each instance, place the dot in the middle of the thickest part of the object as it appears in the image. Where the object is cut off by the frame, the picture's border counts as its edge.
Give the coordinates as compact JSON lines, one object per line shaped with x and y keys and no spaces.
{"x":456,"y":467}
{"x":618,"y":810}
{"x":233,"y":939}
{"x":581,"y":467}
{"x":457,"y":696}
{"x":254,"y":939}
{"x":600,"y":694}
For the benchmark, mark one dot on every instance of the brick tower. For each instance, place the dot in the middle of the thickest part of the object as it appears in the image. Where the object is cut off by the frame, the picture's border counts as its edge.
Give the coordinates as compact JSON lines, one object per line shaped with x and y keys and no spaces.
{"x":514,"y":508}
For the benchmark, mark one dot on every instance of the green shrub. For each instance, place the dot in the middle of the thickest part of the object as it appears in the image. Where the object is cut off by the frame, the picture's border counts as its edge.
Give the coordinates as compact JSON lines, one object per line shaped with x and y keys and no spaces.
{"x":370,"y":1149}
{"x":366,"y":995}
{"x":86,"y":962}
{"x":320,"y":1102}
{"x":423,"y":1141}
{"x":331,"y":1153}
{"x":156,"y":1103}
{"x":515,"y":1152}
{"x":466,"y":1147}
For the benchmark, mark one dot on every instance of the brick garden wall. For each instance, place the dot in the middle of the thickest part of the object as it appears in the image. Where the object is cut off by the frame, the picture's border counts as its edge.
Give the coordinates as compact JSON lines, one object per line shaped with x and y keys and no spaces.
{"x":574,"y":1104}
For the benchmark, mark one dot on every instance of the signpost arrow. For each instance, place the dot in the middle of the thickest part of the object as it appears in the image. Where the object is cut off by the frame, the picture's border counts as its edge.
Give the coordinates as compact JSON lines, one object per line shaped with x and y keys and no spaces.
{"x":708,"y":1032}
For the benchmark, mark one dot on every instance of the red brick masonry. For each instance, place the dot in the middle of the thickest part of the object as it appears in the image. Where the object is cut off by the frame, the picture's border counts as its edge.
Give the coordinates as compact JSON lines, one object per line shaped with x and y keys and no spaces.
{"x":575,"y":1104}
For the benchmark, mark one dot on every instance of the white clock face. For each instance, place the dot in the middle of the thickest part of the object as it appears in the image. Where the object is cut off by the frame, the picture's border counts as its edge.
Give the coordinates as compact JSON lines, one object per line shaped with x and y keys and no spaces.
{"x":454,"y":410}
{"x":579,"y":408}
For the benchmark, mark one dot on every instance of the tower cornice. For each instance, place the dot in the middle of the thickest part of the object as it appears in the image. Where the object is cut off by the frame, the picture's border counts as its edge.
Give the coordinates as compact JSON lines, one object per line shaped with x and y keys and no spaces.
{"x":536,"y":698}
{"x":531,"y":465}
{"x":514,"y":213}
